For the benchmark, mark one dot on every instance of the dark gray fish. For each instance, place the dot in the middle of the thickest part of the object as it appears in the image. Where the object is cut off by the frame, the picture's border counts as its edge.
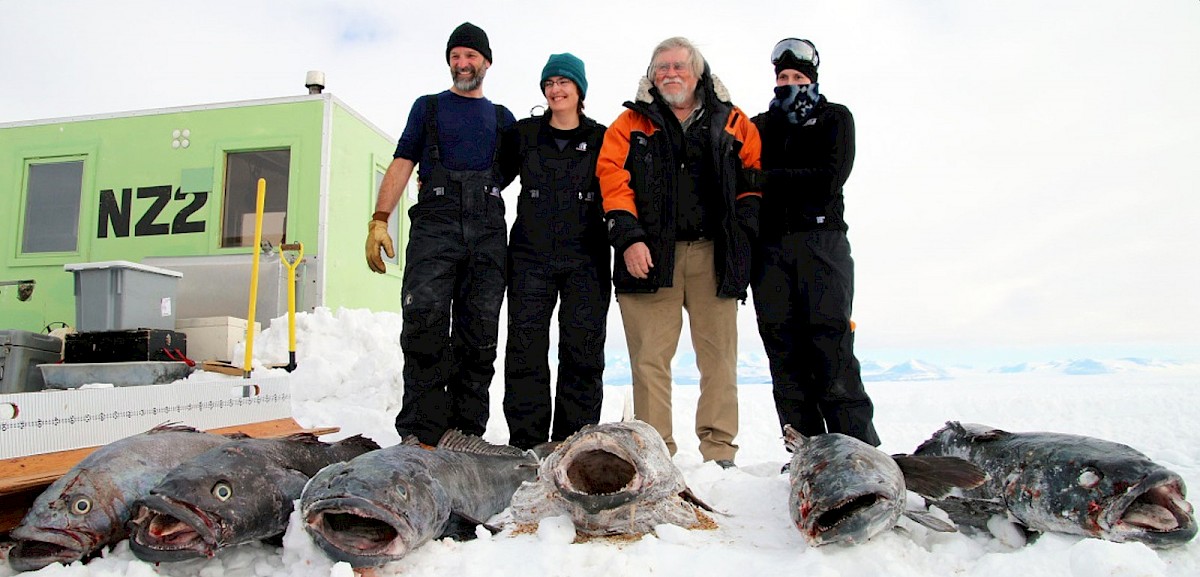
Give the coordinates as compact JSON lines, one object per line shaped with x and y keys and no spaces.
{"x":87,"y":508}
{"x":239,"y":492}
{"x":846,"y":491}
{"x":382,"y":505}
{"x":611,"y":478}
{"x":1054,"y":482}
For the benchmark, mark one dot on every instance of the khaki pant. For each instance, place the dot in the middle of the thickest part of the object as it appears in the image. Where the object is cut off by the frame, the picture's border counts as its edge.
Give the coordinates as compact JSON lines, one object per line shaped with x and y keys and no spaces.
{"x":653,"y":322}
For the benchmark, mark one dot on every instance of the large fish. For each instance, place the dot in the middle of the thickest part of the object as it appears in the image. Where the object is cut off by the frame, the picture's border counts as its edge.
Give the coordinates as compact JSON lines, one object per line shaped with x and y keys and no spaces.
{"x":236,"y":493}
{"x":87,"y":508}
{"x":1054,"y":482}
{"x":611,"y":478}
{"x":846,"y":491}
{"x":380,"y":506}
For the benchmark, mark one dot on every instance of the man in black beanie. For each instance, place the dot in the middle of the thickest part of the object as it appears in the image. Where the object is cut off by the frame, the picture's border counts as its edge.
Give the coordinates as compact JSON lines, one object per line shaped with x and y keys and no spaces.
{"x":454,"y":264}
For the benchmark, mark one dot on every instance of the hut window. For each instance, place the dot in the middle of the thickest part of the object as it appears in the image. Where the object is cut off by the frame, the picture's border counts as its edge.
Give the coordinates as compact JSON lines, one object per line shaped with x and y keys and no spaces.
{"x":52,"y":195}
{"x":242,"y":171}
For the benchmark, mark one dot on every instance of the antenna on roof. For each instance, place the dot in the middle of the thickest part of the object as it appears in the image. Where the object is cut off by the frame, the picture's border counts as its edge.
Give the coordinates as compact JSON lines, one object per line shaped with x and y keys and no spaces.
{"x":314,"y":81}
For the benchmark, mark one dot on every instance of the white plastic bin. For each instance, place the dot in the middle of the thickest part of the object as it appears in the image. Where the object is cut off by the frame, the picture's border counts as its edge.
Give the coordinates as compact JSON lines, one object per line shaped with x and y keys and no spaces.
{"x":121,"y":295}
{"x":212,"y":338}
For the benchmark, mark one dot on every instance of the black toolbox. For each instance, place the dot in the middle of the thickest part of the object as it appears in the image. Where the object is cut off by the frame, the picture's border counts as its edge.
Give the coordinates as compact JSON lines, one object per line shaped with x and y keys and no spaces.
{"x":125,"y":346}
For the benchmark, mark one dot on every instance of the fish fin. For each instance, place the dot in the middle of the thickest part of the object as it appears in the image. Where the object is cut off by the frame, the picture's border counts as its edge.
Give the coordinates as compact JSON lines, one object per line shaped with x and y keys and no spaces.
{"x":971,"y":512}
{"x":306,"y":437}
{"x":981,"y":433}
{"x":935,"y":477}
{"x":173,"y":427}
{"x":411,"y":440}
{"x":236,"y":436}
{"x":462,"y":527}
{"x":543,"y":450}
{"x":930,"y":521}
{"x":974,"y":432}
{"x":358,"y":441}
{"x":691,"y":497}
{"x":454,"y":440}
{"x":793,"y":440}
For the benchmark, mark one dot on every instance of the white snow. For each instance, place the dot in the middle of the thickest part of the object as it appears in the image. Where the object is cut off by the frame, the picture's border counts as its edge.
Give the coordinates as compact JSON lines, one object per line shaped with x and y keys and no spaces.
{"x":349,"y":377}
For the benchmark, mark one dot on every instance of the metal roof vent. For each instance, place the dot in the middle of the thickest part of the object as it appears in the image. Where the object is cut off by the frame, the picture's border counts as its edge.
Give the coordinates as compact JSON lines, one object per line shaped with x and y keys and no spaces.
{"x":314,"y":81}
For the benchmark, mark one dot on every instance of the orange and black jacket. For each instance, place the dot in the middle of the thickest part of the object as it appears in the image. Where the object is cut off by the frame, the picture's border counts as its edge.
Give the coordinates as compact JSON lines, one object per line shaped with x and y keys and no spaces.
{"x":638,"y":175}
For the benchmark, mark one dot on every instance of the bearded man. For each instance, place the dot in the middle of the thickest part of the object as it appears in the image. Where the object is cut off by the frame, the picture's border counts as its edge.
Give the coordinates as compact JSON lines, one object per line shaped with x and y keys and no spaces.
{"x":674,"y":173}
{"x":453,"y":282}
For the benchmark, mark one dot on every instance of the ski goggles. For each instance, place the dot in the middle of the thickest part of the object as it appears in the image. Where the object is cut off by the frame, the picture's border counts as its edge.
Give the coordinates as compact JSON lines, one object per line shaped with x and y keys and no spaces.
{"x":803,"y":50}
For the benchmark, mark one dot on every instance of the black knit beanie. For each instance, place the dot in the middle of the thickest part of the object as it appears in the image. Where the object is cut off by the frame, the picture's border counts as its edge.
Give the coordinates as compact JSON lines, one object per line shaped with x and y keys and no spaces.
{"x":469,"y":36}
{"x":790,"y":62}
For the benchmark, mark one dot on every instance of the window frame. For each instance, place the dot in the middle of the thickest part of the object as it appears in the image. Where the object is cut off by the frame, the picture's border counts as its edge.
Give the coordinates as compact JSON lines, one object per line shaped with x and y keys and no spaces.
{"x":84,"y":225}
{"x":220,"y":178}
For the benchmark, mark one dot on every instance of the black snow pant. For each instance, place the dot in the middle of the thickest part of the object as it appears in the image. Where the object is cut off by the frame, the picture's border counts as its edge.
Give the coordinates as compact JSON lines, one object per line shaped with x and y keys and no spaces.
{"x":452,"y":291}
{"x":803,"y":286}
{"x":583,"y":290}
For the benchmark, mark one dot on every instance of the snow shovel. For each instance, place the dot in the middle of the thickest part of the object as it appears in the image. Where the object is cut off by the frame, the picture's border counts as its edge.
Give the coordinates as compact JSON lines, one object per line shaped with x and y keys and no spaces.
{"x":291,"y":255}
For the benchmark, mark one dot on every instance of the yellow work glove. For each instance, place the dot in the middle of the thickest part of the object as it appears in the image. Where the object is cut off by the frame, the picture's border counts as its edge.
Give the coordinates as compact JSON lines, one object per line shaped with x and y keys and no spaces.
{"x":378,"y":238}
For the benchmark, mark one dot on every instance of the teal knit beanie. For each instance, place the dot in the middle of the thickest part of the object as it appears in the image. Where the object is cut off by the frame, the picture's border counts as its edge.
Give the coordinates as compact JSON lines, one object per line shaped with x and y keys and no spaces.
{"x":566,"y":65}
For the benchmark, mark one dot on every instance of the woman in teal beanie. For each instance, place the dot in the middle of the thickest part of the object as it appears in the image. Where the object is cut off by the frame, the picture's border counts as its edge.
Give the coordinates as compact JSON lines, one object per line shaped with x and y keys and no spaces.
{"x":558,"y":254}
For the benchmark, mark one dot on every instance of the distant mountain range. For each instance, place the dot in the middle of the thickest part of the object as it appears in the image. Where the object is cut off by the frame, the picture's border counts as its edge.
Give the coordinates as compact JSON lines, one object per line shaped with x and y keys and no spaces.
{"x":754,"y":368}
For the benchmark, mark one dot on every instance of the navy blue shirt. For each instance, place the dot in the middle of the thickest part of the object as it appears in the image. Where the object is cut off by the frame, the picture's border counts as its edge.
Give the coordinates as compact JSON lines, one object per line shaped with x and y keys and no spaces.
{"x":467,"y":132}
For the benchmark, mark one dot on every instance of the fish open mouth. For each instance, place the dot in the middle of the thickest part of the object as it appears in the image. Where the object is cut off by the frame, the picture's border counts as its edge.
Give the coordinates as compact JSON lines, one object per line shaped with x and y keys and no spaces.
{"x":164,"y":529}
{"x":358,"y":531}
{"x":846,"y":510}
{"x":852,"y":519}
{"x":598,"y":476}
{"x":1155,"y":511}
{"x":44,"y":548}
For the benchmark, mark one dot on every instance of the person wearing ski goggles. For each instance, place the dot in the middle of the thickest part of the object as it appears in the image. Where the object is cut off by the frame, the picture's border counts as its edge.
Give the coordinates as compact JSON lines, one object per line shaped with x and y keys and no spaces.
{"x":802,"y":277}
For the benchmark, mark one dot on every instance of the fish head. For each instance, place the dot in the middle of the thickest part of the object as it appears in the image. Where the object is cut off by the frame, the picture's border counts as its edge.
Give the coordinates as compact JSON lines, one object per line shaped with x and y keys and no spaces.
{"x":227,"y":496}
{"x":368,"y":514}
{"x":843,"y":490}
{"x":1115,"y":494}
{"x":74,"y":516}
{"x":610,"y":465}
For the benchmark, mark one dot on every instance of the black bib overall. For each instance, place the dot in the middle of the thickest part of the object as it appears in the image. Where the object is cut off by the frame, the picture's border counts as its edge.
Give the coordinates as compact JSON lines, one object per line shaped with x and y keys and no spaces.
{"x":452,"y":291}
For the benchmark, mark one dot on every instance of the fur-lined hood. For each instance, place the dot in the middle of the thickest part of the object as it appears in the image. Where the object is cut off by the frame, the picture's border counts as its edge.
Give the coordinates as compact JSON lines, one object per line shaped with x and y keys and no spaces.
{"x":708,"y":83}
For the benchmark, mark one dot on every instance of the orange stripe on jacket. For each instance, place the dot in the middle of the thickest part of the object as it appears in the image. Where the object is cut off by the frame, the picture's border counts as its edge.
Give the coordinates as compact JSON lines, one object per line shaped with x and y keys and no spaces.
{"x":740,"y":126}
{"x":610,"y":166}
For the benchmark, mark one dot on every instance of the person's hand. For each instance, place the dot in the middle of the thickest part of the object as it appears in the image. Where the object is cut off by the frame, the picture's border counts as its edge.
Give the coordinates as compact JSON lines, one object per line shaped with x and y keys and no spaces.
{"x":638,"y":261}
{"x":378,"y":238}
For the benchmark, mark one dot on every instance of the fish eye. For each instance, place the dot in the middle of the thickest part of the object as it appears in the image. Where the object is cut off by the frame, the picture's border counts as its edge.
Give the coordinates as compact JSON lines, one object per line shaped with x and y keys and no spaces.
{"x":402,"y":491}
{"x":81,"y":506}
{"x":222,"y":491}
{"x":1089,"y":478}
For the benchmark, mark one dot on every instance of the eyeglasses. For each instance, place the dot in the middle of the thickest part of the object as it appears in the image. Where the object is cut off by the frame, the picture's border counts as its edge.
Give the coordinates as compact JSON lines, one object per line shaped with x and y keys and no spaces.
{"x":561,"y":83}
{"x":803,"y":50}
{"x":664,"y":67}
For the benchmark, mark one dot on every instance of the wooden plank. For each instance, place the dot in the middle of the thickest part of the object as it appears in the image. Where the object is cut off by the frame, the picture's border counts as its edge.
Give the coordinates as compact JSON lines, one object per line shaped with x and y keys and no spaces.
{"x":22,"y":473}
{"x":14,"y":505}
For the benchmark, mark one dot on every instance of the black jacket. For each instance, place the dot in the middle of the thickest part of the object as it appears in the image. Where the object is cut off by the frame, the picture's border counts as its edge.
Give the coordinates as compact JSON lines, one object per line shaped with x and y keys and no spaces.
{"x":805,"y":166}
{"x":559,"y":210}
{"x":638,"y":174}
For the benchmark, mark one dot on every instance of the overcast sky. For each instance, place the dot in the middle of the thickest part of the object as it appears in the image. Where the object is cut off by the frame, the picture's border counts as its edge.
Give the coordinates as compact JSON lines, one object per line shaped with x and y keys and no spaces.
{"x":1027,"y":184}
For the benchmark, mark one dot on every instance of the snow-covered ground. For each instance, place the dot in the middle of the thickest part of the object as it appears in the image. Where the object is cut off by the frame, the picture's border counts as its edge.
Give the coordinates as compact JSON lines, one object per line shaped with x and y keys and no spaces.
{"x":349,"y":377}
